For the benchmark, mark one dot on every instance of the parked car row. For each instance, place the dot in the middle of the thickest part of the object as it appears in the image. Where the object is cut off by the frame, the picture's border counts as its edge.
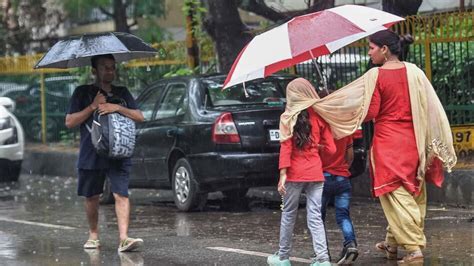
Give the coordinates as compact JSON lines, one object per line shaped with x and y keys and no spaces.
{"x":198,"y":138}
{"x":28,"y":105}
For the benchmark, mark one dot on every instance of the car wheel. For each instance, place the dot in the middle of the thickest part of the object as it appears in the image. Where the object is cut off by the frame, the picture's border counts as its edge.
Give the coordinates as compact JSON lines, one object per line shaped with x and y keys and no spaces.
{"x":11,"y":172}
{"x":186,"y":194}
{"x":107,"y":197}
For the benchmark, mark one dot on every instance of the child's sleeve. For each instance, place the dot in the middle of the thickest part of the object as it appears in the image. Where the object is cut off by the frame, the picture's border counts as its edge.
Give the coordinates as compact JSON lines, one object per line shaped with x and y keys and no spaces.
{"x":285,"y":153}
{"x":350,"y":142}
{"x":326,"y":139}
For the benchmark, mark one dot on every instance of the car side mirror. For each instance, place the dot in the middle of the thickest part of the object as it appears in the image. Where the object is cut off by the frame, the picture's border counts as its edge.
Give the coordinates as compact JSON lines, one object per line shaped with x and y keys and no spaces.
{"x":8,"y":103}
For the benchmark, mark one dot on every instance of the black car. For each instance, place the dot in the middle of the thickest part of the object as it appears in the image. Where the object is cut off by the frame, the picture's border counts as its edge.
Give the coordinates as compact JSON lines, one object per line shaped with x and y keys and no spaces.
{"x":198,"y":138}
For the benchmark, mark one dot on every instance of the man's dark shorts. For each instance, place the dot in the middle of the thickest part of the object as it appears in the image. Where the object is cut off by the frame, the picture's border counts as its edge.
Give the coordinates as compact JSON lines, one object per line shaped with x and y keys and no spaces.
{"x":91,"y":182}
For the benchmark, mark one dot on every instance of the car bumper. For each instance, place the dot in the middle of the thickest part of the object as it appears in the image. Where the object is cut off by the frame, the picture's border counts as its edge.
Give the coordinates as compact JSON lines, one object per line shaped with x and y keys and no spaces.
{"x":11,"y":152}
{"x":14,"y":151}
{"x":227,"y":171}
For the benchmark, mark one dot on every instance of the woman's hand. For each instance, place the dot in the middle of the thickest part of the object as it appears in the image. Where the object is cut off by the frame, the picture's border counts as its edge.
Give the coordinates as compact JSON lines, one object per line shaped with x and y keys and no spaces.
{"x":281,"y":184}
{"x":107,"y":108}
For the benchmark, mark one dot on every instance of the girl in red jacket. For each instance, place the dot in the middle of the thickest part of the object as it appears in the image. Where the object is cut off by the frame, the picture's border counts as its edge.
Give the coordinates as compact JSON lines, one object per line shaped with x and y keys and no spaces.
{"x":304,"y":133}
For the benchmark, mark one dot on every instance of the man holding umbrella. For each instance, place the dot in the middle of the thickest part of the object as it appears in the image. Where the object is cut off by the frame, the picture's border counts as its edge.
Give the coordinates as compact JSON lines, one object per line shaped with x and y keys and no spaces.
{"x":102,"y":51}
{"x":92,"y":168}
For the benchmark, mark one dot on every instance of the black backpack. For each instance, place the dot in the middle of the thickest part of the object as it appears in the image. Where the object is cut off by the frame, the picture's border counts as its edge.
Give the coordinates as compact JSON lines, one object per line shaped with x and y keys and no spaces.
{"x":113,"y":135}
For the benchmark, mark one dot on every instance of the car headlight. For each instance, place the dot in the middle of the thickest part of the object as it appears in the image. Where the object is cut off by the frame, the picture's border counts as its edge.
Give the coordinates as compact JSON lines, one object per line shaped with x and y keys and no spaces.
{"x":5,"y":123}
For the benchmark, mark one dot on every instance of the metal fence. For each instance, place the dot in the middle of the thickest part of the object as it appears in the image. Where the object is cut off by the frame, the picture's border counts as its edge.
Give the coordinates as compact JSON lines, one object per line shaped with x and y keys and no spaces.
{"x":443,"y":48}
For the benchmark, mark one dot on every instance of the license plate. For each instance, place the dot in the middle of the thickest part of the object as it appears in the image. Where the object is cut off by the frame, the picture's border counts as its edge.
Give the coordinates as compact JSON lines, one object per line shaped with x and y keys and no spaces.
{"x":274,"y":134}
{"x":463,"y":138}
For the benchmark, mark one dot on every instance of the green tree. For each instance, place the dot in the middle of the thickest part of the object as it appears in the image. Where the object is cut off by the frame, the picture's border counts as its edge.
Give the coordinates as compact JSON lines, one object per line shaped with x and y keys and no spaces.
{"x":29,"y":25}
{"x":125,"y":14}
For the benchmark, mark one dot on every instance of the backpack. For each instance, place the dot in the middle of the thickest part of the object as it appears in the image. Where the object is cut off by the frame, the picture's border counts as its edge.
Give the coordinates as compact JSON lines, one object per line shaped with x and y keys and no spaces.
{"x":113,"y":135}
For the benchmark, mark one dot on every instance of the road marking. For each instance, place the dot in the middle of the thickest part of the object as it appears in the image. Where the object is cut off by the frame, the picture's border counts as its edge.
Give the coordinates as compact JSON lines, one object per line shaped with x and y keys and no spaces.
{"x":255,"y":253}
{"x":37,"y":224}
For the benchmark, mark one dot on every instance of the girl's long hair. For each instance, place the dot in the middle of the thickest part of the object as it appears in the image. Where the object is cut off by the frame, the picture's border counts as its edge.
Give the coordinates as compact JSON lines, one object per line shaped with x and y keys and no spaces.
{"x":302,"y":130}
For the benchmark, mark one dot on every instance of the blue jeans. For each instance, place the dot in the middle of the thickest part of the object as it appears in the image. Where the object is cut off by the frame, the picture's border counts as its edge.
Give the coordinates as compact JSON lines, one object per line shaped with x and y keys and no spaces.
{"x":339,"y":188}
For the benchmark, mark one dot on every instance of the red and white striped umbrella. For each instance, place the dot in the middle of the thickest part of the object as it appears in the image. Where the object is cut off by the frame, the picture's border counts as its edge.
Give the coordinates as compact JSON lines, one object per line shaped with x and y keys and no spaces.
{"x":306,"y":37}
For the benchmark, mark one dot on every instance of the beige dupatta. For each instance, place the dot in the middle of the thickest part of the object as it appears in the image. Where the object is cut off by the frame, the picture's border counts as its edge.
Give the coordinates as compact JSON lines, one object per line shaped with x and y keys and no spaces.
{"x":345,"y":110}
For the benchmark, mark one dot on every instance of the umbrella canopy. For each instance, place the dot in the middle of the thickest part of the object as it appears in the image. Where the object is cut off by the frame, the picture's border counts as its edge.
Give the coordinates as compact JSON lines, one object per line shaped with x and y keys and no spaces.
{"x":306,"y":37}
{"x":76,"y":51}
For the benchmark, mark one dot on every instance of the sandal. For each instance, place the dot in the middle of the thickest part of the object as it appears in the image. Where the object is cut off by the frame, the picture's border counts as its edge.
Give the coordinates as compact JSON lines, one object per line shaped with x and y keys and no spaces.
{"x":413,"y":258}
{"x":130,"y":244}
{"x":390,"y":252}
{"x":92,"y":244}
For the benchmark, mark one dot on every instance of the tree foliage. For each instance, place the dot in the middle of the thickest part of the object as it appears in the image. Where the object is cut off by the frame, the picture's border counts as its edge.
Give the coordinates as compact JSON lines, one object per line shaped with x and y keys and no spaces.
{"x":125,"y":14}
{"x":230,"y":34}
{"x":29,"y":25}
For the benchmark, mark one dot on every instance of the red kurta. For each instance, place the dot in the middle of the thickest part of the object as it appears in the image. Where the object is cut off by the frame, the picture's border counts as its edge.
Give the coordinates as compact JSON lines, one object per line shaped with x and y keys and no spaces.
{"x":394,"y":158}
{"x":305,"y":165}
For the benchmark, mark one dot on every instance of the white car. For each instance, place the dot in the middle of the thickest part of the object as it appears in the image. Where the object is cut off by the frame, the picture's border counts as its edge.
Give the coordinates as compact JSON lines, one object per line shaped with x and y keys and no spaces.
{"x":12,"y":142}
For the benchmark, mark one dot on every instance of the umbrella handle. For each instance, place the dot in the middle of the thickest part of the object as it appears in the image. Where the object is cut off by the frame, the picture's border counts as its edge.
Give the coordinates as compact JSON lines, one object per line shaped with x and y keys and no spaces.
{"x":245,"y":90}
{"x":319,"y":72}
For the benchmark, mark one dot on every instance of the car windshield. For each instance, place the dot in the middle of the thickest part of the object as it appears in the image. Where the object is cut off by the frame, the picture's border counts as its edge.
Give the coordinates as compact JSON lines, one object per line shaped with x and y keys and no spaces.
{"x":262,"y":91}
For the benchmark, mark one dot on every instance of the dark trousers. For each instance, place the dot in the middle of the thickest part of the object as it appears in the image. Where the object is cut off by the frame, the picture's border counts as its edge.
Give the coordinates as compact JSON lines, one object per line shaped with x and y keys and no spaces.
{"x":339,"y":189}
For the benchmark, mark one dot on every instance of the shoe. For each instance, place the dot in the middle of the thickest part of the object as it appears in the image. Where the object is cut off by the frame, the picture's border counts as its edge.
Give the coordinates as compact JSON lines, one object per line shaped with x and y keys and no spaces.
{"x":274,"y":260}
{"x":413,"y":258}
{"x":313,"y":257}
{"x":324,"y":263}
{"x":92,"y":244}
{"x":390,"y":252}
{"x":130,"y":244}
{"x":349,"y":254}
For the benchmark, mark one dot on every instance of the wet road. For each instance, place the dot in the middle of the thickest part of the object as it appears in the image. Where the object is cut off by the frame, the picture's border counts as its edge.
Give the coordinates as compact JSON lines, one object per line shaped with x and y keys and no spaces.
{"x":42,"y":222}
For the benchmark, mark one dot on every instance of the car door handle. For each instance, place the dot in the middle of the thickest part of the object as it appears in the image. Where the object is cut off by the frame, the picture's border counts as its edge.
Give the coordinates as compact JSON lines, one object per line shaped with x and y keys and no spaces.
{"x":170,"y":133}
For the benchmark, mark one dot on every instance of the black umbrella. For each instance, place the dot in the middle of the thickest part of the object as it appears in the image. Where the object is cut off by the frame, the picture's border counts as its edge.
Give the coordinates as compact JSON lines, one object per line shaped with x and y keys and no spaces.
{"x":76,"y":51}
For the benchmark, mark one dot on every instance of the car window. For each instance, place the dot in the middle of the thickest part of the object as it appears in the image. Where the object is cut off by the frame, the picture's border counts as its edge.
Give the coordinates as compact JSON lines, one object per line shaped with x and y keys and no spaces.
{"x":173,"y":102}
{"x":150,"y":100}
{"x":256,"y":92}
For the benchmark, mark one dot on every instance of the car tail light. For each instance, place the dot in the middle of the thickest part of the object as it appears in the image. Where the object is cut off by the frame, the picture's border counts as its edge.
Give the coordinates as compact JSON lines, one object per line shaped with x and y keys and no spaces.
{"x":357,"y":134}
{"x":224,"y":130}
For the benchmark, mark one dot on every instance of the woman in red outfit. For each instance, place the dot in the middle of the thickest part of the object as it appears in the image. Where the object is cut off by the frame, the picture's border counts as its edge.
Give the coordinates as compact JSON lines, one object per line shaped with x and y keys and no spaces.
{"x":394,"y":154}
{"x":412,"y":140}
